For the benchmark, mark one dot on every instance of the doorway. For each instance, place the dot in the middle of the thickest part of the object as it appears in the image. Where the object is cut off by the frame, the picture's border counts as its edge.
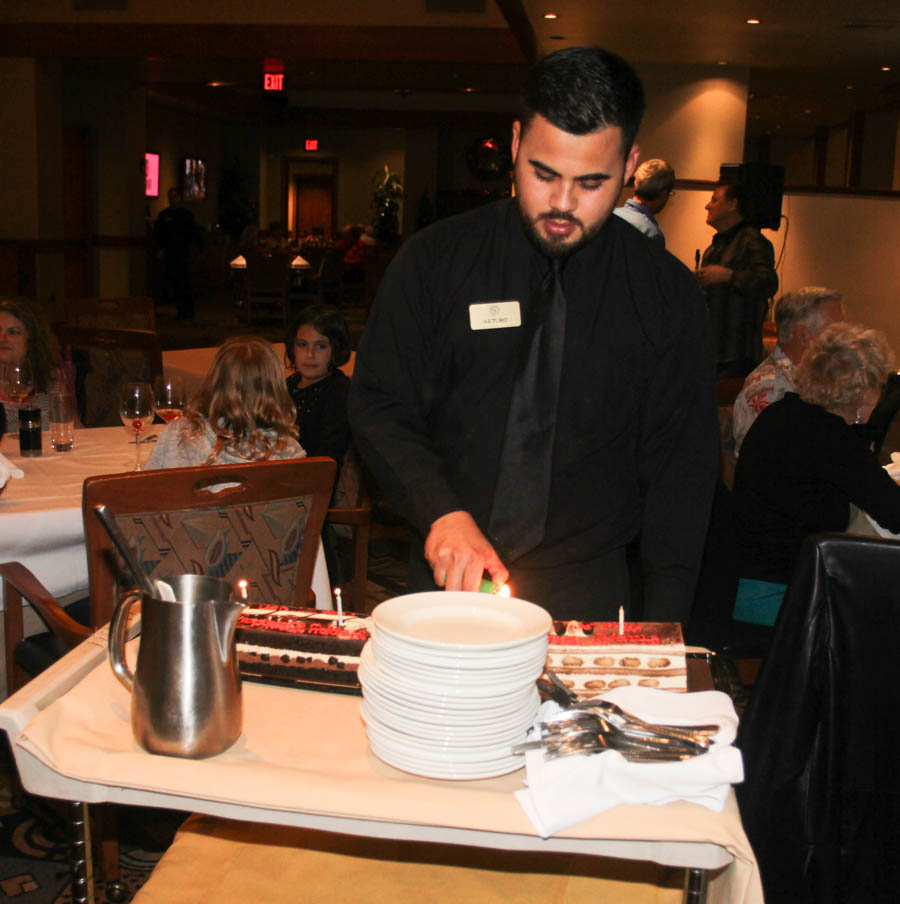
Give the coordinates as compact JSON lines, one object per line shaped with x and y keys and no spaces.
{"x":312,"y":197}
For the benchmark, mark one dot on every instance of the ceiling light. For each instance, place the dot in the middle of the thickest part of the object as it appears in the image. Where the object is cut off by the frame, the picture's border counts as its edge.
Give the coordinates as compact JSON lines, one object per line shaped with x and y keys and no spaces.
{"x":753,"y":21}
{"x":885,"y":68}
{"x":722,"y":62}
{"x":550,"y":16}
{"x":217,"y":84}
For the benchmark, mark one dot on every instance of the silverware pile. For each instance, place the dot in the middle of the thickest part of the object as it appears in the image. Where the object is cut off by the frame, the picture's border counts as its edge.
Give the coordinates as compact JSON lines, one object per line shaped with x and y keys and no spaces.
{"x":593,"y":726}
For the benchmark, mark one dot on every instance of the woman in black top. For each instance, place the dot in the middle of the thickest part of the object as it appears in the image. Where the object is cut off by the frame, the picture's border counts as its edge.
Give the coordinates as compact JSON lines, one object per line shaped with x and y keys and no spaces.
{"x":802,"y":464}
{"x":316,"y":346}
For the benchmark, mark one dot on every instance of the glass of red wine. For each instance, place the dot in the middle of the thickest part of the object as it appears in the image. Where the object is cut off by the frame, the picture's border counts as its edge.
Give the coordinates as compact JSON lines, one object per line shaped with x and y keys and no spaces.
{"x":168,"y":392}
{"x":136,"y":407}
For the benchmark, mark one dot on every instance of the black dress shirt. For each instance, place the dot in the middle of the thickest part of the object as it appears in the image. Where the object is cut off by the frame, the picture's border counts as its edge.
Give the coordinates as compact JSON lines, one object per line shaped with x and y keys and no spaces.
{"x":635,"y":448}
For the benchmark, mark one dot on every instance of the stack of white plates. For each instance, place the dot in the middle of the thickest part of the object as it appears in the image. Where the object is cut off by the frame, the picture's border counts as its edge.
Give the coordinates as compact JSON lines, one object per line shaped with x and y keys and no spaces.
{"x":448,"y":681}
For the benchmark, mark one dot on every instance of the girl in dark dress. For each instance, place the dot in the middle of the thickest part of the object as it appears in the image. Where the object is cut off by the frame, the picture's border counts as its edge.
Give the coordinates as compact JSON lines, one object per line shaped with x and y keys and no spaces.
{"x":316,"y":346}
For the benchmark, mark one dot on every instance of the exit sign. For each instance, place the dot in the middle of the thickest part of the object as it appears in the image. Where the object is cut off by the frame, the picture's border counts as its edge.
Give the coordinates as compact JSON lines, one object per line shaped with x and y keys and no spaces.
{"x":312,"y":144}
{"x":273,"y":81}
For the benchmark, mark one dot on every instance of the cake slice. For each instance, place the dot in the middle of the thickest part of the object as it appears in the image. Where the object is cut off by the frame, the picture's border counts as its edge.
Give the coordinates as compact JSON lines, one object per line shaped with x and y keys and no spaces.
{"x":300,"y":647}
{"x":593,"y":657}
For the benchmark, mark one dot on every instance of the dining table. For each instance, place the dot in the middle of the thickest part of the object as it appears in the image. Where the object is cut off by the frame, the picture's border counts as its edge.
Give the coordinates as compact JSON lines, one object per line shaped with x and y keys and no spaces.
{"x":41,"y":522}
{"x":303,"y":759}
{"x":192,"y":364}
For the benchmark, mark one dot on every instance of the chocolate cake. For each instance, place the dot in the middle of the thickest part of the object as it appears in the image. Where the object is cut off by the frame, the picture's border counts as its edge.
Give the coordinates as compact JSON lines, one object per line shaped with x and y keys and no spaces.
{"x":593,"y":657}
{"x":300,"y":647}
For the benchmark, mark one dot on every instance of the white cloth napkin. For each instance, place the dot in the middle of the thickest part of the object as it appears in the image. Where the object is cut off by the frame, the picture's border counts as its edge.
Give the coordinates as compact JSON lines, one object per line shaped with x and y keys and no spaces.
{"x":562,"y":792}
{"x":894,"y":467}
{"x":7,"y":470}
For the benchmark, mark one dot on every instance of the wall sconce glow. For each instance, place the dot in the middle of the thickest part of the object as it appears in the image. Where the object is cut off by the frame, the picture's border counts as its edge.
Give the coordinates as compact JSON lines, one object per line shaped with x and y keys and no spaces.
{"x":551,"y":16}
{"x":885,"y":68}
{"x":753,"y":21}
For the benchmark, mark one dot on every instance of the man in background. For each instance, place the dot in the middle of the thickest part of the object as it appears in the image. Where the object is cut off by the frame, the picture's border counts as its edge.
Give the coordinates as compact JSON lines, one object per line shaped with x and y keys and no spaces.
{"x":534,"y":386}
{"x":738,"y":275}
{"x":653,"y":181}
{"x":173,"y":235}
{"x":799,"y":317}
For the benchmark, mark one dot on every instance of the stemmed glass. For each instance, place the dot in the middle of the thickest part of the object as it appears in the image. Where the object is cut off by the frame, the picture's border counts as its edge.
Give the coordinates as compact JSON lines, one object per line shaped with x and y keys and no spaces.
{"x":169,"y":396}
{"x":136,"y":407}
{"x":16,"y":380}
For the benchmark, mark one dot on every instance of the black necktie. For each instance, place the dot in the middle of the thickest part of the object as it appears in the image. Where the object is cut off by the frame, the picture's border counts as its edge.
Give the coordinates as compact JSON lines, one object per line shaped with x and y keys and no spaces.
{"x":519,"y":512}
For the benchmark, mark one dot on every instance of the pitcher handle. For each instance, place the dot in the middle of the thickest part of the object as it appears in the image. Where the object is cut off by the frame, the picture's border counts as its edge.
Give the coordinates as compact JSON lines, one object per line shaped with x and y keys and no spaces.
{"x":117,"y":641}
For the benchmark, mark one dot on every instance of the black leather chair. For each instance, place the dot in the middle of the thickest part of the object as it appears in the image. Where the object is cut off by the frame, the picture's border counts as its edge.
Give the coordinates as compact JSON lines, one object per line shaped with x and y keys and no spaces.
{"x":821,"y":737}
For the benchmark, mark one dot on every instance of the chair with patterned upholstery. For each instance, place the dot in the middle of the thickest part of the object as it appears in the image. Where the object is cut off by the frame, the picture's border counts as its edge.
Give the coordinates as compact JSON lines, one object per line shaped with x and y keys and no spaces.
{"x":263,"y":526}
{"x":104,"y":360}
{"x":259,"y":521}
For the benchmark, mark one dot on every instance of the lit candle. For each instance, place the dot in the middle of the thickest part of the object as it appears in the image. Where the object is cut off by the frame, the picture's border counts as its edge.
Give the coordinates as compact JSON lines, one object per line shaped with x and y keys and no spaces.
{"x":621,"y":619}
{"x":339,"y":606}
{"x":242,"y":588}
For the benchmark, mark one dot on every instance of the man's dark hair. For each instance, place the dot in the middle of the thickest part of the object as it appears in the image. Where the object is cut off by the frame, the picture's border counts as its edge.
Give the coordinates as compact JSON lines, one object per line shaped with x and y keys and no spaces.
{"x":583,"y":89}
{"x":737,"y":191}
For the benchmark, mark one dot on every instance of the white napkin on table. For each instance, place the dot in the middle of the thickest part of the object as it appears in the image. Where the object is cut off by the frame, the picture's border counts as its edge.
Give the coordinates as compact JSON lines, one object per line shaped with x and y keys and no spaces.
{"x":562,"y":792}
{"x":8,"y":469}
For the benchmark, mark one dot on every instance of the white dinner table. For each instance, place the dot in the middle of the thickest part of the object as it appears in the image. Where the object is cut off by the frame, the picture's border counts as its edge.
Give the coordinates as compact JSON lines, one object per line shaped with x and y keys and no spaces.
{"x":41,"y":522}
{"x":303,"y":760}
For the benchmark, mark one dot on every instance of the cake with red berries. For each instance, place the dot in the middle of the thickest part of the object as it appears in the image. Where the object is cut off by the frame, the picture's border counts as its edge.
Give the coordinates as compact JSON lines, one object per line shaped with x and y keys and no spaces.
{"x":301,"y":647}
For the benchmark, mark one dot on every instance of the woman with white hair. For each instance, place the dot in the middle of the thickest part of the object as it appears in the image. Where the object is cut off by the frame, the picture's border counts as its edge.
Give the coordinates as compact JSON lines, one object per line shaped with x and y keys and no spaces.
{"x":802,"y":464}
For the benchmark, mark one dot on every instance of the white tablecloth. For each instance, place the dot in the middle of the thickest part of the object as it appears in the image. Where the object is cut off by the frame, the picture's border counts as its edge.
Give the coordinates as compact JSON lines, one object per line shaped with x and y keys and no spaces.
{"x":40,"y":514}
{"x":303,"y":759}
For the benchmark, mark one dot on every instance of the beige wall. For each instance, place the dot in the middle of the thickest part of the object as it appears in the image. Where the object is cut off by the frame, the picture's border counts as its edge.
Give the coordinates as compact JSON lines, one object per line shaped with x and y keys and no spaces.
{"x":844,"y":242}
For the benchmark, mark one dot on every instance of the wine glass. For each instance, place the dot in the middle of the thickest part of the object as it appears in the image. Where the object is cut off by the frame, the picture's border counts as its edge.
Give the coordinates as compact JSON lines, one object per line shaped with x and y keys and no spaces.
{"x":16,"y":380}
{"x":136,"y":408}
{"x":169,"y":396}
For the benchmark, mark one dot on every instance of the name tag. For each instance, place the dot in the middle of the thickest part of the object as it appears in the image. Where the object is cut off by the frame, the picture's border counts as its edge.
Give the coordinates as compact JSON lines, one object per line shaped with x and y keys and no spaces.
{"x":494,"y":315}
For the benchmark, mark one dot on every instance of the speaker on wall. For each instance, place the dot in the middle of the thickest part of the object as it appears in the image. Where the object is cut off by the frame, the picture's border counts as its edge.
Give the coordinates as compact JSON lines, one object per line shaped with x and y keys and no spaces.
{"x":764,"y":184}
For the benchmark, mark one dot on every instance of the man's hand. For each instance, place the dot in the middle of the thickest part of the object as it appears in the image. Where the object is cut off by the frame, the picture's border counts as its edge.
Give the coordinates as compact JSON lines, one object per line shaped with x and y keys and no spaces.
{"x":713,"y":275}
{"x":459,"y":553}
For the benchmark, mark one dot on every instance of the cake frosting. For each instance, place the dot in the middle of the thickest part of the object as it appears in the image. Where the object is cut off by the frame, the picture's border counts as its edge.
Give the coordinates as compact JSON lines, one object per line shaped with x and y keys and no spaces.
{"x":593,"y":657}
{"x":306,"y":647}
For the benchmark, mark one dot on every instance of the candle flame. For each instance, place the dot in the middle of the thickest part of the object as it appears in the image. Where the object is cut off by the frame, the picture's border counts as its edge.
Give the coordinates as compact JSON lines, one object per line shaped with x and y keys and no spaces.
{"x":242,"y":585}
{"x":503,"y":591}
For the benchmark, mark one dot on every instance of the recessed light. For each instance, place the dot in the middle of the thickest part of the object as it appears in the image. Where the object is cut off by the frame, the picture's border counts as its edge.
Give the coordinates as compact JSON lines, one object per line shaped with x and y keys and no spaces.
{"x":217,"y":84}
{"x":885,"y":68}
{"x":722,"y":62}
{"x":551,"y":16}
{"x":753,"y":21}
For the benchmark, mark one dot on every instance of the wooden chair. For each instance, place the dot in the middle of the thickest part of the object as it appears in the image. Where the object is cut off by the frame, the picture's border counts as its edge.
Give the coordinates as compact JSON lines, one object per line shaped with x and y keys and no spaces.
{"x":105,"y":359}
{"x":132,"y":313}
{"x":351,"y":517}
{"x":258,"y":521}
{"x":268,"y":285}
{"x":265,"y":528}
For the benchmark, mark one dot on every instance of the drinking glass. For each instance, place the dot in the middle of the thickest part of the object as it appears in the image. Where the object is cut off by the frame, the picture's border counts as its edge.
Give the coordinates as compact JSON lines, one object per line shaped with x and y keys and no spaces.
{"x":16,"y":380}
{"x":169,"y":396}
{"x":136,"y":408}
{"x":61,"y":406}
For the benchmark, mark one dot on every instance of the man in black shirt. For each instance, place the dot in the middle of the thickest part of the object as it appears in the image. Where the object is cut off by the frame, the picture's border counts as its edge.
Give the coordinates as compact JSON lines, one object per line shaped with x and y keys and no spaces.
{"x":450,"y":343}
{"x":173,"y":235}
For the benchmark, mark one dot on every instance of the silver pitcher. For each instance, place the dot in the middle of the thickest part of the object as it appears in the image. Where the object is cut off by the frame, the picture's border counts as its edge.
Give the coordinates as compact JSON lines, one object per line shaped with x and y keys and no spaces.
{"x":186,"y":691}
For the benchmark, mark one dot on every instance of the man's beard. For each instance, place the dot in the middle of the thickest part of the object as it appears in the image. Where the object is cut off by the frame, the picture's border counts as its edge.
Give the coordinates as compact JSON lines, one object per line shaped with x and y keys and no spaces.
{"x":557,"y":246}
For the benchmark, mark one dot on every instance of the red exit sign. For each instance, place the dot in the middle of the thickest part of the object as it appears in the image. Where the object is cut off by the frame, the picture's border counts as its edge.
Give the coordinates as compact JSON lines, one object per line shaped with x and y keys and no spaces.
{"x":312,"y":144}
{"x":273,"y":81}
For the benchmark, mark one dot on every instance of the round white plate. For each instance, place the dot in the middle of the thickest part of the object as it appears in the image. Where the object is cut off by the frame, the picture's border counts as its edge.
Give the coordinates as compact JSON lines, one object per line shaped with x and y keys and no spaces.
{"x":449,"y":619}
{"x":460,"y":773}
{"x":398,"y":711}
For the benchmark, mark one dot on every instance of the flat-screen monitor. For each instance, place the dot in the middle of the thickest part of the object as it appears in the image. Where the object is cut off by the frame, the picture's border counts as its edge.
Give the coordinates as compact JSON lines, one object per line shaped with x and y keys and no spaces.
{"x":193,"y":179}
{"x":151,"y":175}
